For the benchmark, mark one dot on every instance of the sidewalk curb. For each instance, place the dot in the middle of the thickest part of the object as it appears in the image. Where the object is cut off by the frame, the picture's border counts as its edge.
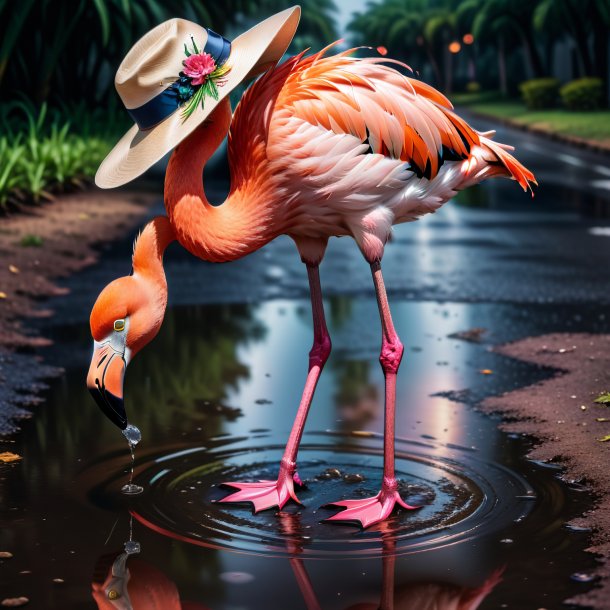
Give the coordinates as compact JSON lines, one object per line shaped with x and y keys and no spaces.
{"x":556,"y":137}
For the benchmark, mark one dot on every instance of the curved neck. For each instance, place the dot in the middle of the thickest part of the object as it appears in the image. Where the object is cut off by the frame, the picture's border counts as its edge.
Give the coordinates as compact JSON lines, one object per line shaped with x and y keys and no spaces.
{"x":149,"y":247}
{"x":243,"y":223}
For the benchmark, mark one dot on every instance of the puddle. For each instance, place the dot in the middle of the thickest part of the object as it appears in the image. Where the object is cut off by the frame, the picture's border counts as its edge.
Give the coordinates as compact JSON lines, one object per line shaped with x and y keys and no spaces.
{"x":214,"y":397}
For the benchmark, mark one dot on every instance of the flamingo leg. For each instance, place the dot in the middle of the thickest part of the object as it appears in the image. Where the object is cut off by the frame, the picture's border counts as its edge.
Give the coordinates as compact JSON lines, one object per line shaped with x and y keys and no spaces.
{"x":269,"y":494}
{"x":369,"y":511}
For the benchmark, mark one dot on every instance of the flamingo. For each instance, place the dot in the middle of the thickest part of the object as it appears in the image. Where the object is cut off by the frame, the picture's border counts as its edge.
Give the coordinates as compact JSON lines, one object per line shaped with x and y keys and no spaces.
{"x":319,"y":146}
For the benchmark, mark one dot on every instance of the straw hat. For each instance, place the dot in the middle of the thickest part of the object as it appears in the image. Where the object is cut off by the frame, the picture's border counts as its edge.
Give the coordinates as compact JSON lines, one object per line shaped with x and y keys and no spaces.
{"x":159,"y":84}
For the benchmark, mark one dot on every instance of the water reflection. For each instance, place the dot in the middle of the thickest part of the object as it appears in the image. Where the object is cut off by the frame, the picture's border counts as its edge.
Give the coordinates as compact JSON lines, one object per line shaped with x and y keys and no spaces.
{"x":126,"y":581}
{"x":55,"y":500}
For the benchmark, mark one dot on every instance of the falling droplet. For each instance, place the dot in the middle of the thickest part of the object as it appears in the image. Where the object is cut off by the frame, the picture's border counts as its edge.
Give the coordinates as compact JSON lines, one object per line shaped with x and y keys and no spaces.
{"x":132,"y":547}
{"x":131,"y":489}
{"x":132,"y":434}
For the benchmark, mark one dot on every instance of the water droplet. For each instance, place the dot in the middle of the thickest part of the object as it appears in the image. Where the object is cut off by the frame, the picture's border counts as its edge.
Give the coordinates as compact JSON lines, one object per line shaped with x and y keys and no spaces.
{"x":132,"y":434}
{"x":131,"y":489}
{"x":132,"y":547}
{"x":583,"y":577}
{"x":506,"y":541}
{"x":236,"y":578}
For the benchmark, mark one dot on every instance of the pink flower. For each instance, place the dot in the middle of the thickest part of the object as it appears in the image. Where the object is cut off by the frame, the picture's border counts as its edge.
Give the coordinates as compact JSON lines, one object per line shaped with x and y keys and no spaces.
{"x":198,"y":67}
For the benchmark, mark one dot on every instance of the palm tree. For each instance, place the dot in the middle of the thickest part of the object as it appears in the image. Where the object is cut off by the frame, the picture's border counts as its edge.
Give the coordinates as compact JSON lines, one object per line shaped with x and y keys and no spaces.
{"x":518,"y":16}
{"x":415,"y":30}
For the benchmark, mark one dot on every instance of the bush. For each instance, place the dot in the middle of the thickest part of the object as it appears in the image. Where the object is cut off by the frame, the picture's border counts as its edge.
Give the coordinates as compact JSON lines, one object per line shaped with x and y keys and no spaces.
{"x":540,"y":93}
{"x":45,"y":151}
{"x":583,"y":94}
{"x":473,"y":87}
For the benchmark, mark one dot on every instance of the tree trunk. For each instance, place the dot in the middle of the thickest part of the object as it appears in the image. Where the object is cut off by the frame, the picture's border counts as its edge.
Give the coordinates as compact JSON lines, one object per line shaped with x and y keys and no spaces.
{"x":600,"y":52}
{"x":532,"y":54}
{"x":502,"y":66}
{"x":435,"y":67}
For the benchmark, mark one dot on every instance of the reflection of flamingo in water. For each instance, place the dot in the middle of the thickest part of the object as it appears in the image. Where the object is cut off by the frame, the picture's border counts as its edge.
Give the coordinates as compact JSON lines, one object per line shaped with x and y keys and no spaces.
{"x":412,"y":596}
{"x":124,"y":582}
{"x":319,"y":146}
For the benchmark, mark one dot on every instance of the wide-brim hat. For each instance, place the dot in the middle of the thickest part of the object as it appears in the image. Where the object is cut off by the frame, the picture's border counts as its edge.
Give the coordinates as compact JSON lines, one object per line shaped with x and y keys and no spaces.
{"x":154,"y":86}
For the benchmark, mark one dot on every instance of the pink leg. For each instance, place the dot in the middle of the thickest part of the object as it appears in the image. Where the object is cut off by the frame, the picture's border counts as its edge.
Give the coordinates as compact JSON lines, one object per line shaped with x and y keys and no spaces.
{"x":268,"y":494}
{"x":369,"y":511}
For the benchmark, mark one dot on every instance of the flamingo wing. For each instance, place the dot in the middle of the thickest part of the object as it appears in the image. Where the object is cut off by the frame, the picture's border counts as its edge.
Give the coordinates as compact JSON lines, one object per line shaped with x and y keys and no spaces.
{"x":386,"y":112}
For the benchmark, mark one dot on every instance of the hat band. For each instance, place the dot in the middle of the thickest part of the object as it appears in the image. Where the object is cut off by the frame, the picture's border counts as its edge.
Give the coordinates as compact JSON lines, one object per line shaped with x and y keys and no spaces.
{"x":169,"y":100}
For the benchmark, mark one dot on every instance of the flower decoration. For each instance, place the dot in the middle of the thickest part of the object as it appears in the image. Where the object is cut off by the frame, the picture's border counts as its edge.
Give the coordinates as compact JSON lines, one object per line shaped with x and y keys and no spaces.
{"x":200,"y":78}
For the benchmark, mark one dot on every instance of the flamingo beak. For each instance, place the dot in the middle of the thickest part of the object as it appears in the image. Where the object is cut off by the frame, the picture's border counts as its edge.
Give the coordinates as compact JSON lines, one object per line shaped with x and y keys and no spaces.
{"x":105,"y":382}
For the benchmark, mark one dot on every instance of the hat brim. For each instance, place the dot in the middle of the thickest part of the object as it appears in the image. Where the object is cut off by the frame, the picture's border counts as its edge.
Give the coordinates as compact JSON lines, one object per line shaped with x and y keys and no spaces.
{"x":253,"y":52}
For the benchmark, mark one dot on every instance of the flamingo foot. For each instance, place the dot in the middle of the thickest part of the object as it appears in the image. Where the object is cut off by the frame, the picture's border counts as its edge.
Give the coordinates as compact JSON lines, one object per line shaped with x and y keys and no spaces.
{"x":267,"y":494}
{"x":369,"y":511}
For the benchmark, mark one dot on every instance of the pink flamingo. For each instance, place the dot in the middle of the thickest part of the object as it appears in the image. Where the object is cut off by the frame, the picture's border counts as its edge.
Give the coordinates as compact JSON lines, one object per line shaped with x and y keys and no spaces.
{"x":319,"y":146}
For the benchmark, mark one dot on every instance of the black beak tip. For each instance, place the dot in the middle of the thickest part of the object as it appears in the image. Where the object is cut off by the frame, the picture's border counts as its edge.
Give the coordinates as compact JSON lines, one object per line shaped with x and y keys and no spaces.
{"x":112,"y":406}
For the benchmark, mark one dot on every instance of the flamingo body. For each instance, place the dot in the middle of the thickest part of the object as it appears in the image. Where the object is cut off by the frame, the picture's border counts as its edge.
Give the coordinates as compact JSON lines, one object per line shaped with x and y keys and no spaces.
{"x":325,"y":146}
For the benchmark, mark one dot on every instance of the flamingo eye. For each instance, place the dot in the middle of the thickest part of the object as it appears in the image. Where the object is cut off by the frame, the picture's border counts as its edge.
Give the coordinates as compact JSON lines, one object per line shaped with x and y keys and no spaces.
{"x":119,"y":325}
{"x":113,"y":594}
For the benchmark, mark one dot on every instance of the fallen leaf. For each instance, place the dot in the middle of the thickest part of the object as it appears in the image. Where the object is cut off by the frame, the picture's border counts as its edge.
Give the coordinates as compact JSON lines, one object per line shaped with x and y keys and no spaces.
{"x":486,"y":372}
{"x":603,"y":399}
{"x":13,"y":269}
{"x":602,"y":419}
{"x":6,"y":555}
{"x":8,"y":457}
{"x":2,"y":295}
{"x":604,"y":439}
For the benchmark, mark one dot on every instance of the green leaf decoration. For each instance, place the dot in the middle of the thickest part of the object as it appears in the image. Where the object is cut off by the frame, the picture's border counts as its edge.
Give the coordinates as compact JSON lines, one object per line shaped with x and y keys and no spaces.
{"x":186,"y":51}
{"x":603,"y":399}
{"x":213,"y":89}
{"x":194,"y":45}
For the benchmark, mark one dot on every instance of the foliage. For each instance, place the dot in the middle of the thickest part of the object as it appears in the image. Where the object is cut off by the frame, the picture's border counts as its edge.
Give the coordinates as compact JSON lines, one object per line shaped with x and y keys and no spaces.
{"x":56,"y":50}
{"x":539,"y":93}
{"x":593,"y":126}
{"x":31,"y":241}
{"x":603,"y":398}
{"x":473,"y":87}
{"x":583,"y":94}
{"x":495,"y":42}
{"x":42,"y":153}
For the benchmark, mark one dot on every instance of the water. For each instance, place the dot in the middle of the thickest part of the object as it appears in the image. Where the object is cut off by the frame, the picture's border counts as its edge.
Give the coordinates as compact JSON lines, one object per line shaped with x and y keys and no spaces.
{"x":224,"y":414}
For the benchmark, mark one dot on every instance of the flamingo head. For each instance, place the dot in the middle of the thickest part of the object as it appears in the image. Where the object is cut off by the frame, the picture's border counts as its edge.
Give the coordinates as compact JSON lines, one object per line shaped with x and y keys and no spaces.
{"x":126,"y":316}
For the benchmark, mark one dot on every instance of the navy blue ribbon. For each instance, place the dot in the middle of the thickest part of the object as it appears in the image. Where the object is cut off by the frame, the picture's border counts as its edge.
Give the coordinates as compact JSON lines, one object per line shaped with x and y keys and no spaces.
{"x":169,"y":100}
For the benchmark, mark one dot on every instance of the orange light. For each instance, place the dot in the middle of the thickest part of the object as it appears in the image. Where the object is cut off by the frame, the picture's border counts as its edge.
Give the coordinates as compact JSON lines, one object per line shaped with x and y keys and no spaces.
{"x":455,"y":47}
{"x":382,"y":51}
{"x":468,"y":38}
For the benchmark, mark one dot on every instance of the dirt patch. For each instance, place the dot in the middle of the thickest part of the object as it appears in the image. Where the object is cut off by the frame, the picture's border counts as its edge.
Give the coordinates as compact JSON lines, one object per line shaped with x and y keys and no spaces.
{"x":38,"y":245}
{"x":560,"y":412}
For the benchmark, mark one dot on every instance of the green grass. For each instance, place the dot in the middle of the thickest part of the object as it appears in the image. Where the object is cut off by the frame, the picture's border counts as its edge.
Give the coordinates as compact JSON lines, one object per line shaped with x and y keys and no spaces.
{"x":45,"y":152}
{"x":593,"y":126}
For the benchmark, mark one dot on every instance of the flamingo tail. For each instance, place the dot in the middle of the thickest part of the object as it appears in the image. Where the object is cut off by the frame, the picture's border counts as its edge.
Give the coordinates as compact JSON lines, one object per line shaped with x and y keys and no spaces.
{"x":506,"y":164}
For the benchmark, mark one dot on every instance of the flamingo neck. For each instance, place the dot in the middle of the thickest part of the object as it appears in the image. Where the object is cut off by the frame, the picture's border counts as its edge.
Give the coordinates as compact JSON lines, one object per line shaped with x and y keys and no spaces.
{"x":149,"y":247}
{"x":240,"y":225}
